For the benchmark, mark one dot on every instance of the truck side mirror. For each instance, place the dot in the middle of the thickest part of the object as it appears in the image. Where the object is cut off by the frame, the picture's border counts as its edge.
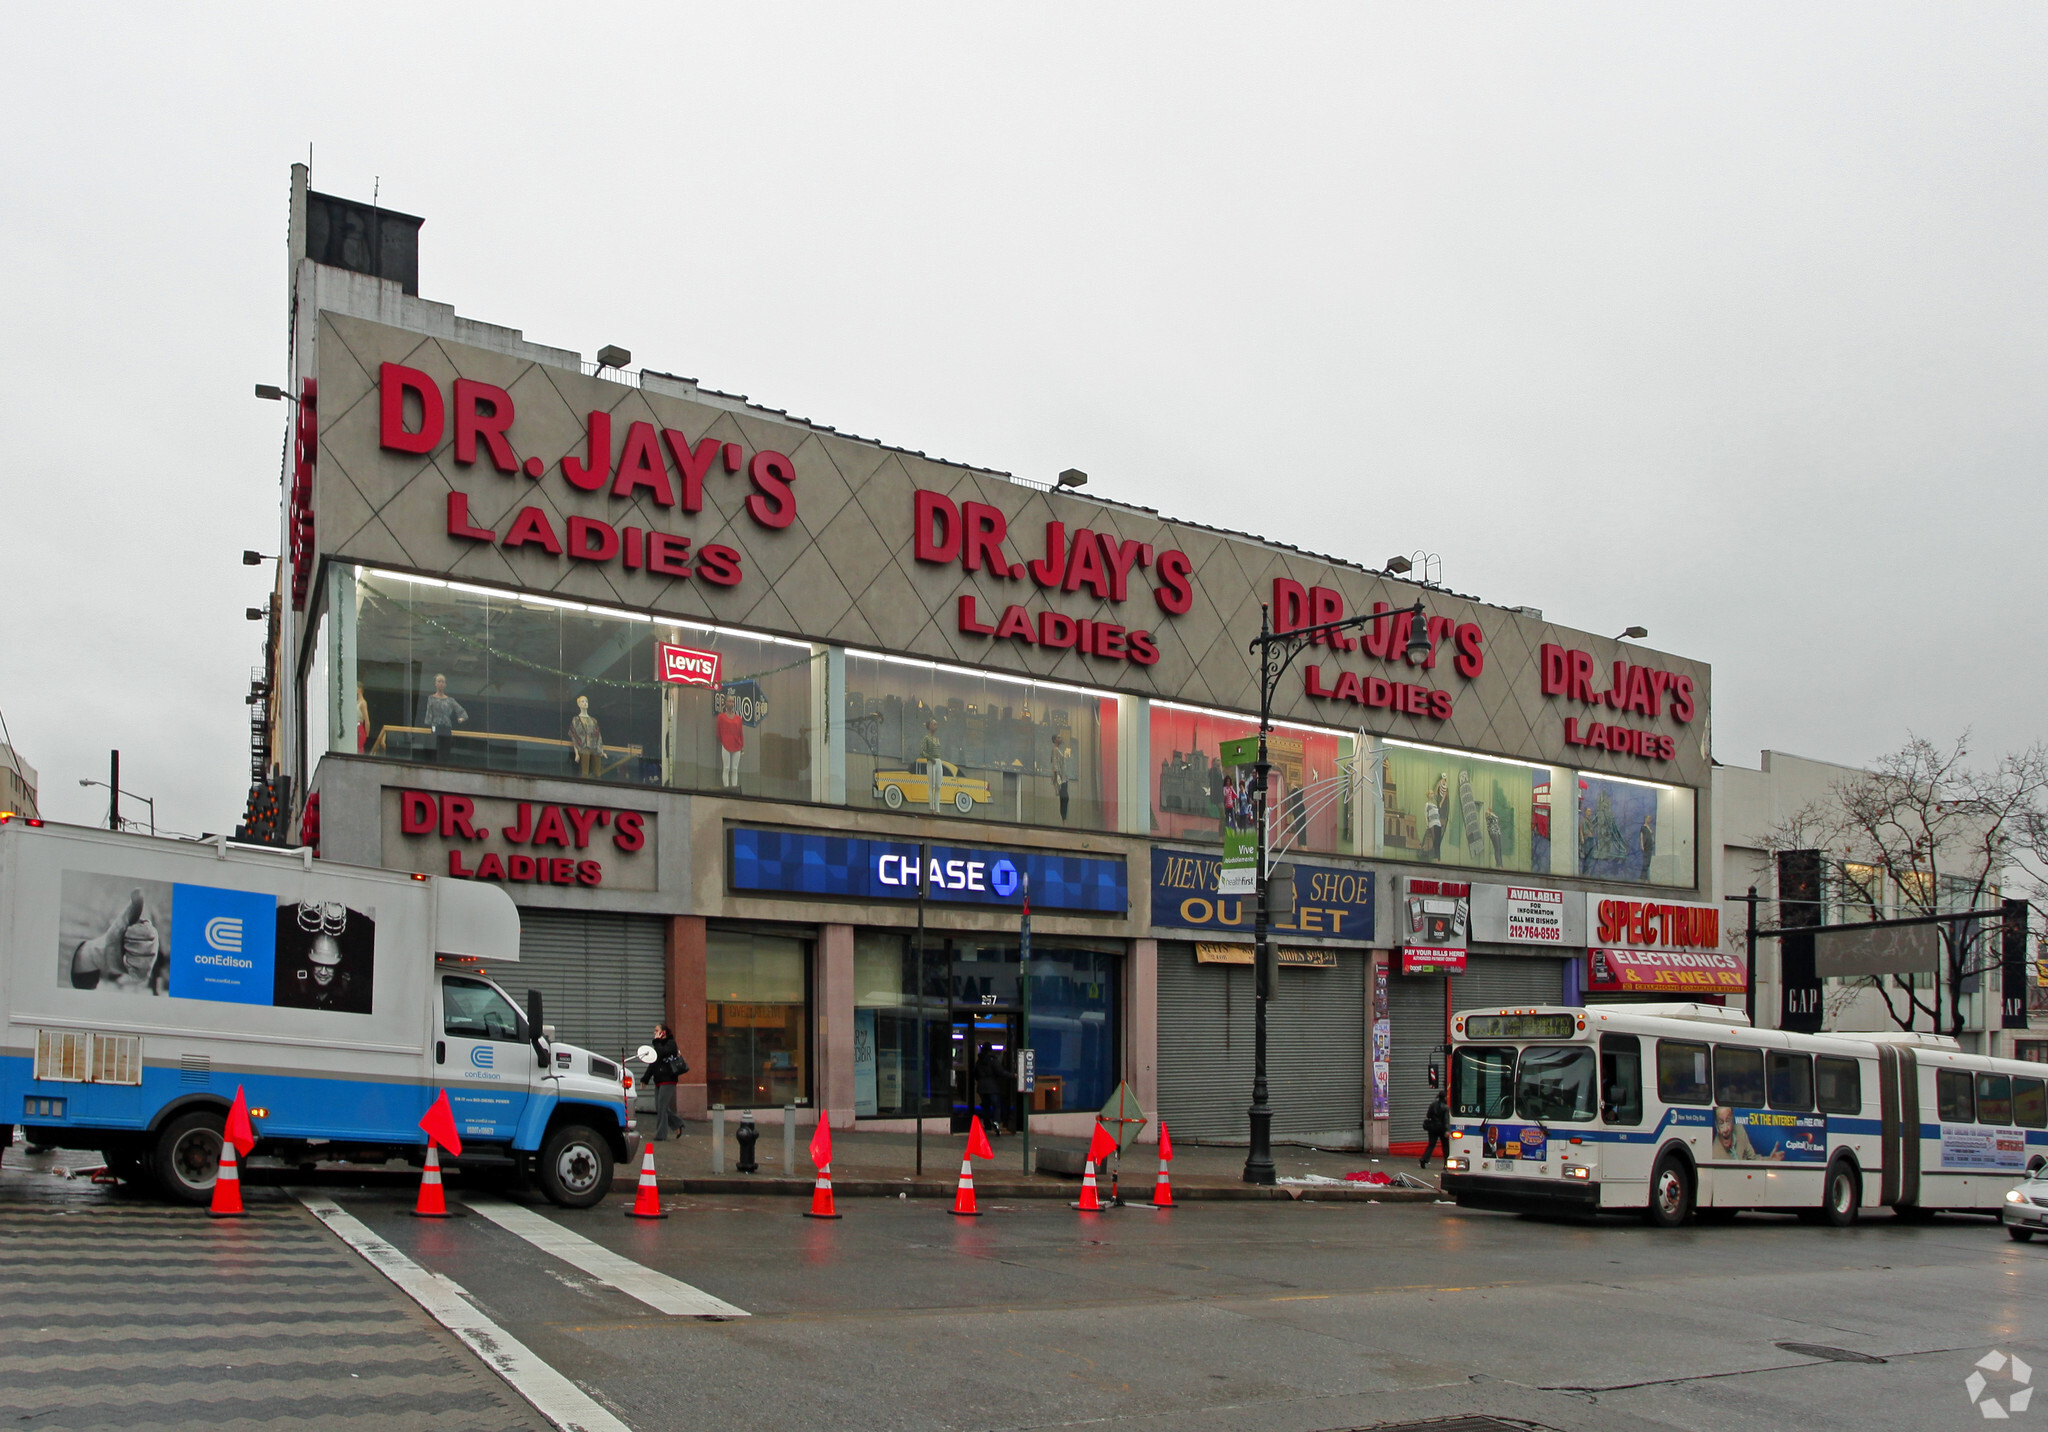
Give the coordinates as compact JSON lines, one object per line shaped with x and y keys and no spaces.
{"x":533,"y":1025}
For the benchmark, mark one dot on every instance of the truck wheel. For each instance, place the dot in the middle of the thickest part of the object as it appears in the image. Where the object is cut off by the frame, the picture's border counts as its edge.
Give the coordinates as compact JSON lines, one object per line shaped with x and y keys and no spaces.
{"x":892,"y":797}
{"x":1844,"y":1199}
{"x":188,"y":1156}
{"x":1670,"y":1193}
{"x":575,"y":1167}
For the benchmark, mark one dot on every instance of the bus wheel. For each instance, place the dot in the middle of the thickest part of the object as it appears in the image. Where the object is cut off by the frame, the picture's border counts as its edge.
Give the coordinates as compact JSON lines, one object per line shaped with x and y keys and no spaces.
{"x":1670,"y":1193}
{"x":1844,"y":1199}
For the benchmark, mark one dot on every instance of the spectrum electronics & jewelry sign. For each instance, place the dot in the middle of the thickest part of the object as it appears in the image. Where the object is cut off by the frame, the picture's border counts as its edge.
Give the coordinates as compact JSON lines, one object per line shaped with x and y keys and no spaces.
{"x":1328,"y":901}
{"x":851,"y":867}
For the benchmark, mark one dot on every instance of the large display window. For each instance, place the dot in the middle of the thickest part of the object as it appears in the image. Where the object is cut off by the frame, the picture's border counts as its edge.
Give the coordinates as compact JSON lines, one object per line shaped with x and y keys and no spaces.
{"x":756,"y":1019}
{"x":448,"y":674}
{"x":977,"y":745}
{"x":1634,"y":830}
{"x":1311,"y":791}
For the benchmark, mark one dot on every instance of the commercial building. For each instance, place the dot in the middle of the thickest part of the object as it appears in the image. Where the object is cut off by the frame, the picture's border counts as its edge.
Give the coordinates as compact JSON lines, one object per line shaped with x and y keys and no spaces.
{"x":696,"y":679}
{"x":1757,"y":809}
{"x":17,"y":783}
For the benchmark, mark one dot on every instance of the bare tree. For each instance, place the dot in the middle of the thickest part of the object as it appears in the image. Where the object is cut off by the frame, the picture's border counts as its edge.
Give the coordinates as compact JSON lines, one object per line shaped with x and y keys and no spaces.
{"x":1942,"y":836}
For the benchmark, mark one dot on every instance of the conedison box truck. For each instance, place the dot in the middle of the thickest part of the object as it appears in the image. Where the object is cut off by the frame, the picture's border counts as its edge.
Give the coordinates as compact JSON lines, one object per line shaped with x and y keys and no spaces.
{"x":142,"y":981}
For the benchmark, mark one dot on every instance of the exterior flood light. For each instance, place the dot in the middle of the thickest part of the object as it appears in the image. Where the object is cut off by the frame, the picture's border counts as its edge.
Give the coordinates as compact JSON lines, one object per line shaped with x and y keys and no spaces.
{"x":1073,"y":477}
{"x":1398,"y":565}
{"x":613,"y":356}
{"x":270,"y":392}
{"x":1635,"y":632}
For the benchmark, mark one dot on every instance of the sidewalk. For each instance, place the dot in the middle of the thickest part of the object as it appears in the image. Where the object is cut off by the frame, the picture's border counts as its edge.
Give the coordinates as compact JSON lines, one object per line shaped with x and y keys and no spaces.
{"x":885,"y":1165}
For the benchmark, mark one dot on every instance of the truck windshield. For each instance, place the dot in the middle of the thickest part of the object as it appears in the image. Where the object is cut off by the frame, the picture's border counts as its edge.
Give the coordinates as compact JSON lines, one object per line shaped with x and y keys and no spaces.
{"x":475,"y":1010}
{"x":1558,"y":1082}
{"x":1483,"y":1083}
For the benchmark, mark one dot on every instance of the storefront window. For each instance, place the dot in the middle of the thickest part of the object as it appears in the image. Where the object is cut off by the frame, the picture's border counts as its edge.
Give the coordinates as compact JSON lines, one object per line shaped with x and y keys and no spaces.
{"x":449,"y":674}
{"x":1633,"y":830}
{"x":971,"y":1023}
{"x":1445,"y":807}
{"x":1311,"y":791}
{"x":978,"y":746}
{"x":756,"y":1019}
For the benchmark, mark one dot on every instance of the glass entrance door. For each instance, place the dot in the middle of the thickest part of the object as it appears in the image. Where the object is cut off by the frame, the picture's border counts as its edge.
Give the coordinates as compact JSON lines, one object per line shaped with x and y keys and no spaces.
{"x":985,"y":1069}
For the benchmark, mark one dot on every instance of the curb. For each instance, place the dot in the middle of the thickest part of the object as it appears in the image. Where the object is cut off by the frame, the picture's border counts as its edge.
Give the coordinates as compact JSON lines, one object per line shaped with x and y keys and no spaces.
{"x":990,"y":1189}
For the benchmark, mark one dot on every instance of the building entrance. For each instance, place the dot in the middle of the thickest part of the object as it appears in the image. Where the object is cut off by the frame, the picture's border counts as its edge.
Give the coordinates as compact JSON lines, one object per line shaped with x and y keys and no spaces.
{"x":985,"y":1043}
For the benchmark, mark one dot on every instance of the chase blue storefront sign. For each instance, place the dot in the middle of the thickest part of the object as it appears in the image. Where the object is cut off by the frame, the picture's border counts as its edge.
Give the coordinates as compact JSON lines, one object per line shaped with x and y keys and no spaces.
{"x":1328,"y":901}
{"x":854,"y":867}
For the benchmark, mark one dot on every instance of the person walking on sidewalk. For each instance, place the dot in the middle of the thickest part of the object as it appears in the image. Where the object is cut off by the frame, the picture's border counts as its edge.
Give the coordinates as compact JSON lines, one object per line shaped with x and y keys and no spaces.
{"x":668,"y":1066}
{"x":1437,"y":1124}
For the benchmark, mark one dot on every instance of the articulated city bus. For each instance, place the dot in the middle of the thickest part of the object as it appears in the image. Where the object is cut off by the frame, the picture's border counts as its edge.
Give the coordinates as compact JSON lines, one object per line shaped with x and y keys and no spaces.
{"x":1676,"y":1108}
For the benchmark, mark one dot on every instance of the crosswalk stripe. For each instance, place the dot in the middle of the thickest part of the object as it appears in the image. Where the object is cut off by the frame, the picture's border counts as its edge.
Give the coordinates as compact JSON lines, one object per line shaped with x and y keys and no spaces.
{"x":659,"y":1291}
{"x":556,"y":1398}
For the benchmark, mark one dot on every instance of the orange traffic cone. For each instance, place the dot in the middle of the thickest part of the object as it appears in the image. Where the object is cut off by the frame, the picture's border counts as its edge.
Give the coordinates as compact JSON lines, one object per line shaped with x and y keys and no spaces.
{"x":821,"y":1196}
{"x":432,"y":1202}
{"x":647,"y":1200}
{"x":227,"y":1185}
{"x":1162,"y":1191}
{"x":1089,"y":1202}
{"x":963,"y":1197}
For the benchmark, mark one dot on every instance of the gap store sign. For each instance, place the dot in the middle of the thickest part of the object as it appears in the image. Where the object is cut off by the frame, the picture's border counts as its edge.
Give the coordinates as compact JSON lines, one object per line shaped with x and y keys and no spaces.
{"x":853,"y":867}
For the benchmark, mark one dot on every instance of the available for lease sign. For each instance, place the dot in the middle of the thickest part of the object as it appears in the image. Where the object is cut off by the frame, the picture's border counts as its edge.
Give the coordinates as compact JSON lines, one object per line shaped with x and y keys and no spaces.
{"x":1535,"y":916}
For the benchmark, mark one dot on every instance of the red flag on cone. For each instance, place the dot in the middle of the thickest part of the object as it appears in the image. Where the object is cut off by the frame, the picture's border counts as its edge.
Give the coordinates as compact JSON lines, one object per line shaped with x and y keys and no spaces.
{"x":239,"y":1131}
{"x":432,"y":1202}
{"x":821,"y":1159}
{"x":1102,"y":1144}
{"x":1162,"y":1191}
{"x":227,"y":1183}
{"x":439,"y":1125}
{"x":647,"y":1198}
{"x":977,"y":1141}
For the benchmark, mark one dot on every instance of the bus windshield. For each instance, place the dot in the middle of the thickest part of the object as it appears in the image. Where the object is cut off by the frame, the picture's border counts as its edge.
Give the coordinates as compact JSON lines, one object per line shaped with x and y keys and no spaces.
{"x":1558,"y":1082}
{"x":1483,"y":1083}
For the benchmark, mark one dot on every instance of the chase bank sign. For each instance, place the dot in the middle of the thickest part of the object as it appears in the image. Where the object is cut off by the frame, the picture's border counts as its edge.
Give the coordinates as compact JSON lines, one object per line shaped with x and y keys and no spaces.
{"x":851,"y":867}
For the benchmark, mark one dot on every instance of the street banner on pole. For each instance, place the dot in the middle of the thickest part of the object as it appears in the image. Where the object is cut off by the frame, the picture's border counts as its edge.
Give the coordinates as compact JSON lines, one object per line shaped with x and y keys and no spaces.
{"x":1240,"y":818}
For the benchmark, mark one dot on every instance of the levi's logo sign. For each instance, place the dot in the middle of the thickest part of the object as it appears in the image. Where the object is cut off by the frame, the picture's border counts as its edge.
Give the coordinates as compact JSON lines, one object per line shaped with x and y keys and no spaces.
{"x":688,"y":665}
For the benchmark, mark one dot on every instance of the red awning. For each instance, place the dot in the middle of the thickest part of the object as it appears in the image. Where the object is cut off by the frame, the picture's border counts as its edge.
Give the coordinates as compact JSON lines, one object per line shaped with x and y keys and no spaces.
{"x":1673,"y":971}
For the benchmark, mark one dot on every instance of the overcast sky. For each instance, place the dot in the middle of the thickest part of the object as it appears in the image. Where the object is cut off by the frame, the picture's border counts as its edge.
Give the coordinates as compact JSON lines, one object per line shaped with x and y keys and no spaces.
{"x":1727,"y":320}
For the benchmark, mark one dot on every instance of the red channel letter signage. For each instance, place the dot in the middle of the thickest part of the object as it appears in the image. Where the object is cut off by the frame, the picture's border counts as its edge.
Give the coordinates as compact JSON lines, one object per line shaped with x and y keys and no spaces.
{"x":687,"y":665}
{"x":662,"y":468}
{"x":972,"y":534}
{"x":1639,"y":690}
{"x":1296,"y":606}
{"x":540,"y":843}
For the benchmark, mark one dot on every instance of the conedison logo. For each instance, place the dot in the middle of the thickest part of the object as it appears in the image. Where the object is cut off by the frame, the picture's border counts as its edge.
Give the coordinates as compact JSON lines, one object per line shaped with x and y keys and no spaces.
{"x":224,"y":933}
{"x":2016,"y":1372}
{"x":480,"y":1056}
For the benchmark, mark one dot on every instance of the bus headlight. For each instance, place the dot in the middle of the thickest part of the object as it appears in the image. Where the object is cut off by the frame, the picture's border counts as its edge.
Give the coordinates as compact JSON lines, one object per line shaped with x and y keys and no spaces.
{"x":1458,"y":1166}
{"x":1577,"y":1171}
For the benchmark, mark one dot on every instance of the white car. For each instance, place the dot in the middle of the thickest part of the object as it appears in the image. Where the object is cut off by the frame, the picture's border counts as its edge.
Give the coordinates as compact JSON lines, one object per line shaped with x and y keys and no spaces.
{"x":2026,"y":1205}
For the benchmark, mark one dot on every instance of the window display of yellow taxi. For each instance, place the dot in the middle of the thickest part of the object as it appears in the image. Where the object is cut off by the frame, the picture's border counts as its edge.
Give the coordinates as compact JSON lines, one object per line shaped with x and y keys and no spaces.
{"x":963,"y":793}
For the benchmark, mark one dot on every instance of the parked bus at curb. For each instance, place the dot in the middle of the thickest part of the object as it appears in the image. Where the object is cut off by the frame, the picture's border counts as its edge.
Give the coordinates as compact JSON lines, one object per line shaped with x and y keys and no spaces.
{"x":144,"y":980}
{"x":1676,"y":1111}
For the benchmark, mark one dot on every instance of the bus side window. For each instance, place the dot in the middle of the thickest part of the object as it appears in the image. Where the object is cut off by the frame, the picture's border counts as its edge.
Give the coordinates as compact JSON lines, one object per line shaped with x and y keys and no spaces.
{"x":1994,"y":1099}
{"x":1839,"y":1083}
{"x":1790,"y":1077}
{"x":1952,"y":1097}
{"x":1738,"y":1077}
{"x":1621,"y":1079}
{"x":1682,"y":1073}
{"x":2030,"y":1103}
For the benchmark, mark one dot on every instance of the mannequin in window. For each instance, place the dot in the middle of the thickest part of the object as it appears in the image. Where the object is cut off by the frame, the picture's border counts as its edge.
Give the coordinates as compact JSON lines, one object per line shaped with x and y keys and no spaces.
{"x":586,"y":740}
{"x":440,"y":713}
{"x":732,"y":738}
{"x":362,"y":721}
{"x":1062,"y":768}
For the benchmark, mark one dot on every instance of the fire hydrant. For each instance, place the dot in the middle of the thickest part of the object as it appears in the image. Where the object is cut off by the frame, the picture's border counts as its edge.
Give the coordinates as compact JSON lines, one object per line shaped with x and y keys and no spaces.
{"x":747,"y":1137}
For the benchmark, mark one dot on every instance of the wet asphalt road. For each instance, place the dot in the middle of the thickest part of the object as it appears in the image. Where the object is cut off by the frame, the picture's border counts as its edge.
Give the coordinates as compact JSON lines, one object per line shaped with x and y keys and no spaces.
{"x":1223,"y":1315}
